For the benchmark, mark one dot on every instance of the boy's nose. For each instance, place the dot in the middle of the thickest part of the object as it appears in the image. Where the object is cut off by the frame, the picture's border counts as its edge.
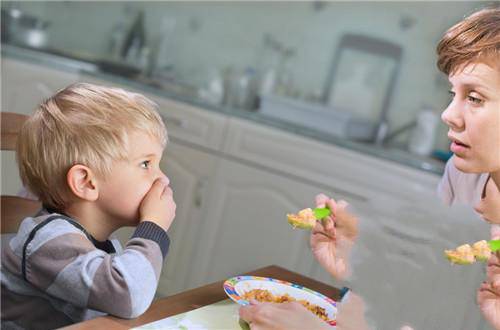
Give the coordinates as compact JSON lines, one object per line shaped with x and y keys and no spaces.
{"x":164,"y":178}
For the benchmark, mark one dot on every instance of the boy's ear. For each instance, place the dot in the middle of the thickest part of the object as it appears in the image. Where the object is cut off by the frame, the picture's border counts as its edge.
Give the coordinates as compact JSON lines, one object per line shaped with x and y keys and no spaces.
{"x":82,"y":182}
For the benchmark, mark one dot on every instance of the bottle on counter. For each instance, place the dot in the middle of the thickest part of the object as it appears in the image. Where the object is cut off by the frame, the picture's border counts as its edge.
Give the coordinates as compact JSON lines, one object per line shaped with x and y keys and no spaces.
{"x":135,"y":41}
{"x":241,"y":91}
{"x":423,"y":135}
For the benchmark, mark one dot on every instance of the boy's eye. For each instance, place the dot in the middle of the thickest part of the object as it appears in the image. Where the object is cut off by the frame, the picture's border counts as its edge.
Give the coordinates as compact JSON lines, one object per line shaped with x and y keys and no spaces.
{"x":145,"y":164}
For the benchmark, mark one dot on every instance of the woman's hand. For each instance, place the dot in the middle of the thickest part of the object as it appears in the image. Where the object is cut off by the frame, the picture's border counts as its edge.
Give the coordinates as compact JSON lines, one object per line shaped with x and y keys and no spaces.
{"x":488,"y":295}
{"x":333,"y":237}
{"x":289,"y":316}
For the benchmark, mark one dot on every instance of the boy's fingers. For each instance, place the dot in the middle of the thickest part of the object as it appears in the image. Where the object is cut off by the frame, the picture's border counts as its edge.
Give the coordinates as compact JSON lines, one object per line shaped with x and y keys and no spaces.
{"x":167,"y":191}
{"x":158,"y":186}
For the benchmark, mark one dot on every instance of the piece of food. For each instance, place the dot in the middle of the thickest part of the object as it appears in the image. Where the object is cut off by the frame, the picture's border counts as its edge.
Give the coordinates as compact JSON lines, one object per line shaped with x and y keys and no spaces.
{"x":266,"y":296}
{"x":481,"y":250}
{"x":305,"y":219}
{"x":466,"y":255}
{"x":462,"y":255}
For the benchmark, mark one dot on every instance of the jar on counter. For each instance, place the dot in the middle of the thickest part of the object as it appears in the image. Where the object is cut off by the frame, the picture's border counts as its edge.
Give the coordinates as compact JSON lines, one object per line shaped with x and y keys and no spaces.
{"x":241,"y":89}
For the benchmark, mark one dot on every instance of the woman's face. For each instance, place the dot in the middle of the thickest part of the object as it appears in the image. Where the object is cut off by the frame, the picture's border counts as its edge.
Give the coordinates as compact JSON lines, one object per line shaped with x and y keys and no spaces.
{"x":473,"y":118}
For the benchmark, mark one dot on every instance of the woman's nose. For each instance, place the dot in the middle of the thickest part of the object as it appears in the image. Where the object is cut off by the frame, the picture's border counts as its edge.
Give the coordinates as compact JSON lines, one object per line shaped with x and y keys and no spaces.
{"x":452,"y":116}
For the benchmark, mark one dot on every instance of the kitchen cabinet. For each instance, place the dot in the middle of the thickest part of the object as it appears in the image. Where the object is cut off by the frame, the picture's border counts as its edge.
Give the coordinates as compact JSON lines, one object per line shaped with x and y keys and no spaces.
{"x":245,"y":225}
{"x":25,"y":84}
{"x":191,"y":175}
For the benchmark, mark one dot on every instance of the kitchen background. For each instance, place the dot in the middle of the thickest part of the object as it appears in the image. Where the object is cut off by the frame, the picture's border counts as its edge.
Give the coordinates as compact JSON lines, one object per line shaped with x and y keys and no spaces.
{"x":288,"y":47}
{"x":267,"y":104}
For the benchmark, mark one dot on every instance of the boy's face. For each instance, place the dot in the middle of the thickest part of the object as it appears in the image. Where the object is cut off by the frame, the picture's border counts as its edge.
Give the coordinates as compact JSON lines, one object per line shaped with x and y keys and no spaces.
{"x":122,"y":191}
{"x":473,"y":117}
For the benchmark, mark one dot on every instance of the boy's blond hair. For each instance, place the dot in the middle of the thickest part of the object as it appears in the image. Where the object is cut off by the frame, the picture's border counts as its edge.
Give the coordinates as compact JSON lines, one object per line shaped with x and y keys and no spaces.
{"x":475,"y":39}
{"x":81,"y":124}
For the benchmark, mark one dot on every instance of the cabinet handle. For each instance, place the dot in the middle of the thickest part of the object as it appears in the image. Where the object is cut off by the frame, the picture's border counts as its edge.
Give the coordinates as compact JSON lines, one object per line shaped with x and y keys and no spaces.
{"x":179,"y":122}
{"x":198,"y":194}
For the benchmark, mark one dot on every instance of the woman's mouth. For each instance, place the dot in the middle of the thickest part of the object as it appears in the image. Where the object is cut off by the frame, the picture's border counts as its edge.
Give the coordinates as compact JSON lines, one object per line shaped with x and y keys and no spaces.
{"x":458,"y":147}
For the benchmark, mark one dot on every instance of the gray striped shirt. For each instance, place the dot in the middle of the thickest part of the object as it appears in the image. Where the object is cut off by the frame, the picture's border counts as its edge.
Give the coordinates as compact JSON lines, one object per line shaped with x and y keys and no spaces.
{"x":54,"y":273}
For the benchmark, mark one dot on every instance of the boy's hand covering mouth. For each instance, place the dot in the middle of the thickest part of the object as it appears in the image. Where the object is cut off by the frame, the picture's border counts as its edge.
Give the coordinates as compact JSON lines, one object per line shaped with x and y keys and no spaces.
{"x":158,"y":205}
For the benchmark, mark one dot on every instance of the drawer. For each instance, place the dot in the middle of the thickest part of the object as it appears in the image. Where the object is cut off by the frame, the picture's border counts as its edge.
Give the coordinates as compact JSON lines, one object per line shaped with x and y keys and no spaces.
{"x":184,"y":122}
{"x":191,"y":124}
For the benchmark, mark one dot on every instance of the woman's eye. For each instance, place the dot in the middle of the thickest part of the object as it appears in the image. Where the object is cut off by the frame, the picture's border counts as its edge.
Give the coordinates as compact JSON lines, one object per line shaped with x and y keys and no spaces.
{"x":474,"y":100}
{"x":146,"y":164}
{"x":452,"y":94}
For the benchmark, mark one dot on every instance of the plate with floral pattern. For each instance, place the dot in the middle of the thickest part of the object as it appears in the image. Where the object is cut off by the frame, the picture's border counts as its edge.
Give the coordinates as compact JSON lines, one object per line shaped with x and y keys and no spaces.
{"x":237,"y":287}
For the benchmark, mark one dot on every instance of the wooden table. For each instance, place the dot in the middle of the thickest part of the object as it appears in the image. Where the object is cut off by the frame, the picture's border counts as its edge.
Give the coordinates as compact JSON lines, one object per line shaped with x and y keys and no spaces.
{"x":200,"y":297}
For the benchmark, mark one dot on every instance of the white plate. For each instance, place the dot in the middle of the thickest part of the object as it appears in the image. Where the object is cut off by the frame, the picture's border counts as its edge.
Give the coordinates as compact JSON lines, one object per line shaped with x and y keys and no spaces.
{"x":236,"y":287}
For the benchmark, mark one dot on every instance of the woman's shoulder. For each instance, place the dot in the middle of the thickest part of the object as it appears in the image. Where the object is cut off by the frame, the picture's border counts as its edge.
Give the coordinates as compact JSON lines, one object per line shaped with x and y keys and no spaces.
{"x":460,"y":187}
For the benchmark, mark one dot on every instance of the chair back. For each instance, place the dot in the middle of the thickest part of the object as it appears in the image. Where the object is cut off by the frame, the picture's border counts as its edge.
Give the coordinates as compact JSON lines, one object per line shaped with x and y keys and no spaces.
{"x":11,"y":125}
{"x":14,"y":208}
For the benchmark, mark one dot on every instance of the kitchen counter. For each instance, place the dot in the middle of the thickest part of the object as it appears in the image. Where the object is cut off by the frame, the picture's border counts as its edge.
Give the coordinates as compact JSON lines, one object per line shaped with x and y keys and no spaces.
{"x":88,"y":66}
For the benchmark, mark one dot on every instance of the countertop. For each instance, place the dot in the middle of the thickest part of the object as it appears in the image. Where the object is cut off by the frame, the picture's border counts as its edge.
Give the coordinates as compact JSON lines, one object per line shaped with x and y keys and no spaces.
{"x":87,"y":65}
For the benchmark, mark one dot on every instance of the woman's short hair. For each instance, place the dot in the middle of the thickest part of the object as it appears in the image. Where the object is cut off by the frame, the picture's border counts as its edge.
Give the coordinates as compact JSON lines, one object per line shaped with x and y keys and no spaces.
{"x":82,"y":124}
{"x":474,"y":39}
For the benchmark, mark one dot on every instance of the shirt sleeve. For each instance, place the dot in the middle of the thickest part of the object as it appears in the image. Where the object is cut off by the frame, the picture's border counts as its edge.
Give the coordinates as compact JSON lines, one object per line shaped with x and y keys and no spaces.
{"x":64,"y":263}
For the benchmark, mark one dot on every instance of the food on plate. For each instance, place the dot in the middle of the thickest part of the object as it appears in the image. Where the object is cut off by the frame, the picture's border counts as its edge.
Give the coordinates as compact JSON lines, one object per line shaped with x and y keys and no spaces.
{"x":305,"y":219}
{"x":466,"y":254}
{"x":266,"y":296}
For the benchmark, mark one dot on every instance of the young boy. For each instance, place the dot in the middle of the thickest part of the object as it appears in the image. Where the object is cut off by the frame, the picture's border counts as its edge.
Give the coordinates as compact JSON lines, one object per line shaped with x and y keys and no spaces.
{"x":91,"y":154}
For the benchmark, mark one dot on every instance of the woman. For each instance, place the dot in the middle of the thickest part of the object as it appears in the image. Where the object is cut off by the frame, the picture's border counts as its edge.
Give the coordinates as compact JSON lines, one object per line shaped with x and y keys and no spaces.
{"x":469,"y":54}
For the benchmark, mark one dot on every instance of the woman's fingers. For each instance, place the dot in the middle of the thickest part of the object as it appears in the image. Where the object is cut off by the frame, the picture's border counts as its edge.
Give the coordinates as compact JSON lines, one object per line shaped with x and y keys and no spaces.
{"x":247,"y":312}
{"x":495,"y":231}
{"x":321,"y":200}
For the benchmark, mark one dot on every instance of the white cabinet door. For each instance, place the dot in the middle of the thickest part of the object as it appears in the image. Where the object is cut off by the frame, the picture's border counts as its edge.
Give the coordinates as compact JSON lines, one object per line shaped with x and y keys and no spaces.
{"x":25,"y":85}
{"x":246,"y":227}
{"x":191,"y":175}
